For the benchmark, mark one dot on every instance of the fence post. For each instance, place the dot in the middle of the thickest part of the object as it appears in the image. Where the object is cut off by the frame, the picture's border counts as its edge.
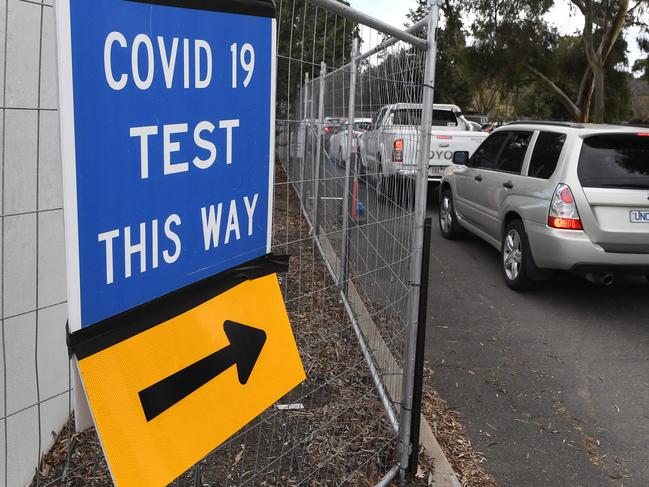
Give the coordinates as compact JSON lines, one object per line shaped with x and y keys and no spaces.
{"x":405,"y":445}
{"x":304,"y":128}
{"x":415,"y":427}
{"x":313,"y":134}
{"x":344,"y":254}
{"x":318,"y":152}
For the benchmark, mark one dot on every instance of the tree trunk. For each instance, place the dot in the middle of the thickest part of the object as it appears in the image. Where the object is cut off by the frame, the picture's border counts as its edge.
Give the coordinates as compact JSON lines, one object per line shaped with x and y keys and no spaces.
{"x":599,"y":95}
{"x":585,"y":103}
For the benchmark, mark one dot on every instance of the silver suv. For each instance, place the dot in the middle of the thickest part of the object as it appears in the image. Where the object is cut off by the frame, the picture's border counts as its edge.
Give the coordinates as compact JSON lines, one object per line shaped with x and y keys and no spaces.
{"x":551,"y":196}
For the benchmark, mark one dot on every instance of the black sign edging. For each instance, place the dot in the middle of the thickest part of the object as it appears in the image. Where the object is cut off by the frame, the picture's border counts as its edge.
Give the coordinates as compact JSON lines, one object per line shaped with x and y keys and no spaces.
{"x":258,"y":8}
{"x":107,"y":333}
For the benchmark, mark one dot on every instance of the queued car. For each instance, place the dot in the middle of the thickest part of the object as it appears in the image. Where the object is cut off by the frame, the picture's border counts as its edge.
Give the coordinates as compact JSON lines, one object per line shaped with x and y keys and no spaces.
{"x":554,"y":196}
{"x":470,"y":125}
{"x":389,"y":151}
{"x":329,"y":128}
{"x":338,"y":142}
{"x":478,"y":118}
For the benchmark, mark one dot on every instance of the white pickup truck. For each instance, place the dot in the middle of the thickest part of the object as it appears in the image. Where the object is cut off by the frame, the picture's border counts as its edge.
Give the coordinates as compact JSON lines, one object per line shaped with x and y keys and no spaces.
{"x":390,"y":148}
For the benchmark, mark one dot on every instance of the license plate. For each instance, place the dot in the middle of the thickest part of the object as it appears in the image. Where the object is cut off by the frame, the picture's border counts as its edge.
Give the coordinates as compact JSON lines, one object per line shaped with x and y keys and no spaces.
{"x":436,"y":170}
{"x":639,"y":216}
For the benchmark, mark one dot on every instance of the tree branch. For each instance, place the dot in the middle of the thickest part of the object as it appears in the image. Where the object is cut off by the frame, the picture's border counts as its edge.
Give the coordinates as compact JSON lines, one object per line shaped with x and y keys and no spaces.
{"x":612,"y":33}
{"x":586,"y":86}
{"x":638,"y":3}
{"x":555,"y":90}
{"x":589,"y":48}
{"x":580,"y":5}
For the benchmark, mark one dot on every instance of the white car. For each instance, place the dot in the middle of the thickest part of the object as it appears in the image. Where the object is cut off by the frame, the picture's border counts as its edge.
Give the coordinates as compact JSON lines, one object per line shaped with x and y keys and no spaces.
{"x":389,"y":150}
{"x":473,"y":126}
{"x":555,"y":196}
{"x":338,"y":142}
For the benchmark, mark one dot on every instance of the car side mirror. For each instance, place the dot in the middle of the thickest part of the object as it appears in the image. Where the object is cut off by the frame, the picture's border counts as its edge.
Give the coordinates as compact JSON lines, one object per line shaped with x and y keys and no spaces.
{"x":461,"y":158}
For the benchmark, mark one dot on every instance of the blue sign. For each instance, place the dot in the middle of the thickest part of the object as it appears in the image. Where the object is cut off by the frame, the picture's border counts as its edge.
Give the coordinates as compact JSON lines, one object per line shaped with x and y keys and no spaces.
{"x":167,"y":147}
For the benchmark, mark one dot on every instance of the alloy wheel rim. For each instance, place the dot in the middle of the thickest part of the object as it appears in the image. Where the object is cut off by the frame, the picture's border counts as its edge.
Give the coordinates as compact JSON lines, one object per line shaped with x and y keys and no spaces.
{"x":446,"y":215}
{"x":513,"y":255}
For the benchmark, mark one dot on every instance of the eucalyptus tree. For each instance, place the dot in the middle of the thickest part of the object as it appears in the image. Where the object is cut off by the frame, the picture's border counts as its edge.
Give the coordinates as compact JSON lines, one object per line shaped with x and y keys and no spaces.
{"x":515,"y":35}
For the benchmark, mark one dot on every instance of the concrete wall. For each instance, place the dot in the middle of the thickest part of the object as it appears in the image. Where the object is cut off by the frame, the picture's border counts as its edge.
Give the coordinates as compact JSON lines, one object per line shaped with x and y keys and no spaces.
{"x":34,"y":367}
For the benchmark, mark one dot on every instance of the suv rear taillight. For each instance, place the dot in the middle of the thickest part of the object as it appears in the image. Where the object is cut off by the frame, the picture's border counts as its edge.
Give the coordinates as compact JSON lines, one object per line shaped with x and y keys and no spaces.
{"x":563,"y":210}
{"x":397,"y":151}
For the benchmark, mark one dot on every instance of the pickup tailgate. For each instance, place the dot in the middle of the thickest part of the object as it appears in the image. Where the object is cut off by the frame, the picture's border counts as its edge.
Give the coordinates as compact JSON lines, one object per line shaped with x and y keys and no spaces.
{"x":442,"y":146}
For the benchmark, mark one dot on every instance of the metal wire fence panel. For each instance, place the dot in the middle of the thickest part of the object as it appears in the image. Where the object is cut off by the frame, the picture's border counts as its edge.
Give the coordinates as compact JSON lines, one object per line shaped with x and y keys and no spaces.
{"x":351,"y":157}
{"x":347,"y":146}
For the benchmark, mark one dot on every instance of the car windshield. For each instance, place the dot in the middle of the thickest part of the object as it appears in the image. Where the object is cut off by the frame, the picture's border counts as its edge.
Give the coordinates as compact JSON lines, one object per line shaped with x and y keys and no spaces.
{"x":412,"y":116}
{"x":615,"y":161}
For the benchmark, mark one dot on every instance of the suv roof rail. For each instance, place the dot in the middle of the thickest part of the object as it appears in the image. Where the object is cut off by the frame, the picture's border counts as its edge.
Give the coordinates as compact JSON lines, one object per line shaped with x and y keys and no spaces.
{"x":573,"y":125}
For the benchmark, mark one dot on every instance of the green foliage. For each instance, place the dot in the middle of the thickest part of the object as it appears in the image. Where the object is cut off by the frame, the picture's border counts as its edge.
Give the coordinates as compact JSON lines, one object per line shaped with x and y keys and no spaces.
{"x":451,"y":85}
{"x":307,"y":36}
{"x":491,"y":74}
{"x":641,"y":66}
{"x":568,"y":69}
{"x":512,"y":35}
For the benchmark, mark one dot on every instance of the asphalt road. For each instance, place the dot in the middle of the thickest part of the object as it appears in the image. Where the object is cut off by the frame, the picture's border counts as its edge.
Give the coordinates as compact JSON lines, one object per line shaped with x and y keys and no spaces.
{"x":552,"y":384}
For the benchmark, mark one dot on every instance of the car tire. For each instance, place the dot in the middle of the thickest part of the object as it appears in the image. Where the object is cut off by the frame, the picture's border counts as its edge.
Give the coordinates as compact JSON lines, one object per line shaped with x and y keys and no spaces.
{"x":516,"y":257}
{"x":449,"y":225}
{"x":405,"y":192}
{"x":362,"y":170}
{"x":383,"y":185}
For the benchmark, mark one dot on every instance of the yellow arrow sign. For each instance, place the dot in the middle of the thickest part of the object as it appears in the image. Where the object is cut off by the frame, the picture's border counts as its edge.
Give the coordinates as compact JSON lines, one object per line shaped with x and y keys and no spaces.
{"x":167,"y":396}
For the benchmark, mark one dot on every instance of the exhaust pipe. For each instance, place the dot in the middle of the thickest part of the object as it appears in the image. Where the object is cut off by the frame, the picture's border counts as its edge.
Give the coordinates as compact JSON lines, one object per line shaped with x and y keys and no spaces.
{"x":602,"y":279}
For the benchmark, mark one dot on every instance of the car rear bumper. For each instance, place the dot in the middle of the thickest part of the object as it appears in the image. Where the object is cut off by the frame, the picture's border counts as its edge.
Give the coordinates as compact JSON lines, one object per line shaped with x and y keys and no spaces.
{"x":586,"y":269}
{"x":411,"y":170}
{"x":574,"y":251}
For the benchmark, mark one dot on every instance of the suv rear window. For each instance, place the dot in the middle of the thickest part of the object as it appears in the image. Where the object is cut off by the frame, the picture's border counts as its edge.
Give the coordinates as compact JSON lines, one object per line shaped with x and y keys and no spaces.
{"x":546,"y":154}
{"x":412,"y":116}
{"x":615,"y":161}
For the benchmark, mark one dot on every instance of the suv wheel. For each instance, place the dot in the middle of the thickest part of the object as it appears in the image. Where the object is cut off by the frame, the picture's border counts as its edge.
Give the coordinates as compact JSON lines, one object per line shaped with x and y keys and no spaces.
{"x":516,"y":257}
{"x":448,"y":223}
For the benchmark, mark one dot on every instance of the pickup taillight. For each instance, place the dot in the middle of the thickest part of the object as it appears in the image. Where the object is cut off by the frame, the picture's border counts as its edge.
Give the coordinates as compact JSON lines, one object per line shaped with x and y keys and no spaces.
{"x":397,"y":151}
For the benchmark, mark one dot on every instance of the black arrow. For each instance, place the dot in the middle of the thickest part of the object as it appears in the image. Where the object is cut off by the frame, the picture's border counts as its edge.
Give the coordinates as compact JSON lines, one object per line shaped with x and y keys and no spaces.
{"x":244,"y":349}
